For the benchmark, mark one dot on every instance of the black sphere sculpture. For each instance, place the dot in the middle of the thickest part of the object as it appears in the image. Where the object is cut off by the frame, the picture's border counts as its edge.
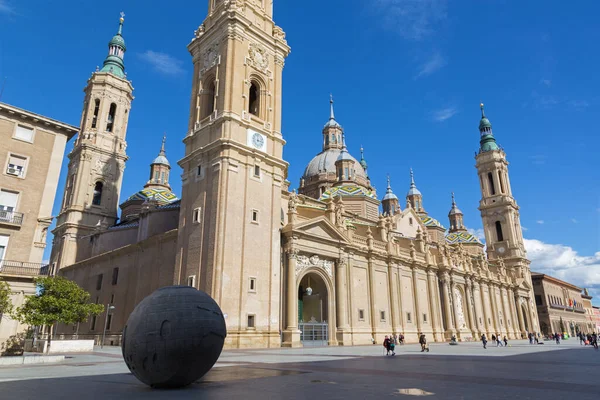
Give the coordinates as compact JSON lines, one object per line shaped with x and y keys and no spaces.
{"x":173,"y":337}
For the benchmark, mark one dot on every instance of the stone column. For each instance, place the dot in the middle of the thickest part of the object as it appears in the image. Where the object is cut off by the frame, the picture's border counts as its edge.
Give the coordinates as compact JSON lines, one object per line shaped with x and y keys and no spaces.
{"x":475,"y":287}
{"x":448,"y":311}
{"x":433,"y":300}
{"x":454,"y":305}
{"x":341,"y":294}
{"x":470,"y":308}
{"x":291,"y":336}
{"x":486,"y":322}
{"x":372,"y":300}
{"x":416,"y":299}
{"x":520,"y":312}
{"x":495,"y":316}
{"x":396,"y":317}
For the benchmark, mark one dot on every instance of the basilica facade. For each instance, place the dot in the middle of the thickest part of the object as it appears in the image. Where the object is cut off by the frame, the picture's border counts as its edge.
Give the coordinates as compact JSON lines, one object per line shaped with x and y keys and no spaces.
{"x":326,"y":264}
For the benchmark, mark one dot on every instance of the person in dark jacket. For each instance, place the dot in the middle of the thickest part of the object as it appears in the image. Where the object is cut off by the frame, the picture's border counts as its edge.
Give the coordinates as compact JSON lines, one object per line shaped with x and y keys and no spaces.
{"x":423,"y":343}
{"x":484,"y":341}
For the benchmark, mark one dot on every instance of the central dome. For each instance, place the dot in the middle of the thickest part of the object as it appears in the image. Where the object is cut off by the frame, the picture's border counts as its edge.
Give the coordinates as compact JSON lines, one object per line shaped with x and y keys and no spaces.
{"x":324,"y":162}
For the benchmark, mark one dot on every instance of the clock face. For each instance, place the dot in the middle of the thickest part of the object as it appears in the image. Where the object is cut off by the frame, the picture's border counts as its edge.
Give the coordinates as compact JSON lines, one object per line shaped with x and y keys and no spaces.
{"x":501,"y":250}
{"x":257,"y":140}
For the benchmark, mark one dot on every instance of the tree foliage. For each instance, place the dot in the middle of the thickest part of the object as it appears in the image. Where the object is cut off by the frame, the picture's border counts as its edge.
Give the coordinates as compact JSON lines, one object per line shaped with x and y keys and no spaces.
{"x":58,"y":300}
{"x":5,"y":301}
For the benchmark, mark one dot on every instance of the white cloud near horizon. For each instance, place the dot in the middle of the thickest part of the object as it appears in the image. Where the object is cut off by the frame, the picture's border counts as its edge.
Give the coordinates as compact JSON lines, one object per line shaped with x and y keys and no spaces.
{"x":540,"y":221}
{"x":433,"y":64}
{"x":162,"y":62}
{"x":444,"y":114}
{"x":413,"y":19}
{"x":563,"y":262}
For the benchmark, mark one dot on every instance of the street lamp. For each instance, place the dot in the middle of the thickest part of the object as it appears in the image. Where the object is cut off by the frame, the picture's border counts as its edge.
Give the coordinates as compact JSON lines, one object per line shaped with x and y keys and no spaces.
{"x":108,"y":309}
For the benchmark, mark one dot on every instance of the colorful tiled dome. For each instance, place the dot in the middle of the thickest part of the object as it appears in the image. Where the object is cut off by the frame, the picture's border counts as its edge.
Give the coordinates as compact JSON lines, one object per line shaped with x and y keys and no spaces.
{"x":428,"y":221}
{"x":162,"y":196}
{"x":347,"y":190}
{"x":461,"y":237}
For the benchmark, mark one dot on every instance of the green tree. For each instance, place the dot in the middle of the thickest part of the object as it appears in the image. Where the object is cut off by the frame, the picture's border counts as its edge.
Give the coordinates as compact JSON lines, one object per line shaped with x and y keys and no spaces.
{"x":5,"y":302}
{"x":57,"y":300}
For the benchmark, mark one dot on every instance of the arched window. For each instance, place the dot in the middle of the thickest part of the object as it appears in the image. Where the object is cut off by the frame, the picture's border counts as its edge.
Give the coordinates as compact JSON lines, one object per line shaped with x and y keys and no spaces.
{"x":492,"y":187}
{"x":499,"y":235}
{"x":254,"y":99}
{"x":208,"y":99}
{"x":97,"y":199}
{"x":96,"y":111}
{"x":417,"y":205}
{"x":111,"y":117}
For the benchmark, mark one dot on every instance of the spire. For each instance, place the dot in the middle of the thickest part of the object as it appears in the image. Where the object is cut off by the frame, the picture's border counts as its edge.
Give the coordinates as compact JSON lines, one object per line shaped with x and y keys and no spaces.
{"x":332,"y":123}
{"x":116,"y":51}
{"x":331,"y":113}
{"x":413,"y":187}
{"x":162,"y":148}
{"x":454,"y":210}
{"x":363,"y":162}
{"x":487,"y":142}
{"x":162,"y":154}
{"x":389,"y":194}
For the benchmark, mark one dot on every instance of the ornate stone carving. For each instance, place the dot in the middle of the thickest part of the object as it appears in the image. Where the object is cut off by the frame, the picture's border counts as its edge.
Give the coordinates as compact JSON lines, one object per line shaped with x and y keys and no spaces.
{"x":210,"y":58}
{"x":258,"y":57}
{"x":278,"y":33}
{"x":293,"y":202}
{"x":199,"y":32}
{"x":460,"y":316}
{"x":303,"y":262}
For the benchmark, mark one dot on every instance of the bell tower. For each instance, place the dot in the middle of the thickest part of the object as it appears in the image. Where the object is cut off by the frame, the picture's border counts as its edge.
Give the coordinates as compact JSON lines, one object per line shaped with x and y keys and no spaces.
{"x":501,"y":224}
{"x":499,"y":209}
{"x":233,"y":169}
{"x":97,"y":162}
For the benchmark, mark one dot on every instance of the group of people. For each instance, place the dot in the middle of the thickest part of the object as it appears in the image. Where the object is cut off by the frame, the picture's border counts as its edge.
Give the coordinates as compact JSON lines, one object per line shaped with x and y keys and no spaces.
{"x":588,"y":339}
{"x":390,"y":342}
{"x":495,"y":338}
{"x":533,"y":338}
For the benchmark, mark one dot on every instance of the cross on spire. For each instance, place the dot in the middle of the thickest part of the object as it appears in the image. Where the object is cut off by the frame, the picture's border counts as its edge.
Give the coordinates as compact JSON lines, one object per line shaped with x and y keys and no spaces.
{"x":331,"y":115}
{"x":162,"y":148}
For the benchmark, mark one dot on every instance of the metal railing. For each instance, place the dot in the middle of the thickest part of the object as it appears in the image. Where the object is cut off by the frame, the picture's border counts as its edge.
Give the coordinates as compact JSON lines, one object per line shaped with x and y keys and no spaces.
{"x":314,"y":333}
{"x":8,"y":267}
{"x":11,"y":217}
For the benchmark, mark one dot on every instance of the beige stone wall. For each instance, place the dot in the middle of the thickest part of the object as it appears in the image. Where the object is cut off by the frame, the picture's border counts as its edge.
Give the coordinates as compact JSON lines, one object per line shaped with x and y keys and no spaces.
{"x":21,"y":289}
{"x":143,"y":268}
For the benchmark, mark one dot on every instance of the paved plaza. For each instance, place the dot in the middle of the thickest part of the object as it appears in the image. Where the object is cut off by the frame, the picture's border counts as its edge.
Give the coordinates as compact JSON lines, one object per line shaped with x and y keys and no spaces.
{"x":466,"y":371}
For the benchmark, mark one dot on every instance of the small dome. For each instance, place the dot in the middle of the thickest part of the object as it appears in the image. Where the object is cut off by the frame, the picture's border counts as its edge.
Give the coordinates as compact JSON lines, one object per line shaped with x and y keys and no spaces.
{"x":324,"y":162}
{"x":345,"y":156}
{"x":484,"y":123}
{"x":162,"y":196}
{"x":161,"y":159}
{"x":461,"y":237}
{"x":390,"y":196}
{"x":118,"y":40}
{"x":413,"y":191}
{"x":347,"y":190}
{"x":332,"y":123}
{"x":431,"y":222}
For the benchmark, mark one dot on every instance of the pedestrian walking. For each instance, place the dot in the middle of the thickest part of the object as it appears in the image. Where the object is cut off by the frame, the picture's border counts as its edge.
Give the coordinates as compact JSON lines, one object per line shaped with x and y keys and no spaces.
{"x":386,"y":345}
{"x":557,"y":337}
{"x":505,"y":341}
{"x":423,"y":343}
{"x":484,"y":341}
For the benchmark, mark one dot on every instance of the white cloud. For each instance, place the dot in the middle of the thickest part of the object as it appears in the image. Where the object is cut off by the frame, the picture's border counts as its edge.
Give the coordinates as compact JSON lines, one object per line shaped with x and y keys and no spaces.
{"x":524,"y":229}
{"x":478,"y":233}
{"x":444,"y":114}
{"x":6,"y":8}
{"x":413,"y":19}
{"x":435,"y":63}
{"x":564,"y":263}
{"x":573,"y":220}
{"x":579,"y":104}
{"x":546,"y":82}
{"x":540,"y":221}
{"x":162,"y":62}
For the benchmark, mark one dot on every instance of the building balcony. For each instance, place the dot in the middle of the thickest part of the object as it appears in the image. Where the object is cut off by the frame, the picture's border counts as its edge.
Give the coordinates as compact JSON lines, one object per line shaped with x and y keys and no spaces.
{"x":20,"y":269}
{"x":11,"y":218}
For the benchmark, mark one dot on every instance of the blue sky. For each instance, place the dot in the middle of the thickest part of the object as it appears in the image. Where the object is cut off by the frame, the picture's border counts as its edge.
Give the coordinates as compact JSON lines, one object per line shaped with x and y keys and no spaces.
{"x":407,"y":77}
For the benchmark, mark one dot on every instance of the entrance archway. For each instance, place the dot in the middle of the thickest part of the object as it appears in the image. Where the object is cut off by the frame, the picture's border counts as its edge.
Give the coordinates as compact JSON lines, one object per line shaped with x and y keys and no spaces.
{"x":314,"y":313}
